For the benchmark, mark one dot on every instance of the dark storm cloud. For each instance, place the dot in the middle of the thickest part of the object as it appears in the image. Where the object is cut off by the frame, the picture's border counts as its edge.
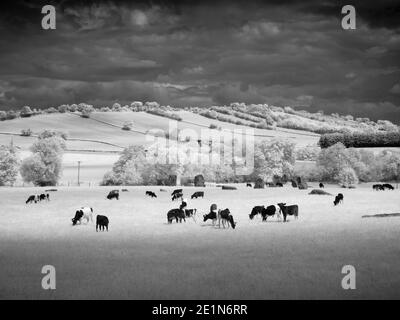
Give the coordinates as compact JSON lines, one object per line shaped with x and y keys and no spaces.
{"x":195,"y":53}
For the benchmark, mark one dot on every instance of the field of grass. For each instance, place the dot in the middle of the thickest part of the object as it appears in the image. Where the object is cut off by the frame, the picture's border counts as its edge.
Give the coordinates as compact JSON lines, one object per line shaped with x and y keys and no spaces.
{"x":142,"y":257}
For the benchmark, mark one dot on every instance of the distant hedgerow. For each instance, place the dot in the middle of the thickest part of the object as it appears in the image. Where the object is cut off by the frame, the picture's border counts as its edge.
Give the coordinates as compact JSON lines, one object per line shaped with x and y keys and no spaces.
{"x":361,"y":140}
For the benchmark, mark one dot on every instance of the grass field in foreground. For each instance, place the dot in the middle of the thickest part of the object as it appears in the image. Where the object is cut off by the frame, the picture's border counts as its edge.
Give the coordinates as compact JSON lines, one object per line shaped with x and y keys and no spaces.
{"x":142,"y":257}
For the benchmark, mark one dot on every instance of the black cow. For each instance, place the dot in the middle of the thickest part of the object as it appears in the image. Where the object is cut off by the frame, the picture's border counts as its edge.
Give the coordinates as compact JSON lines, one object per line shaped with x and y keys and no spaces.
{"x":151,"y":194}
{"x":255,"y":211}
{"x":269,"y":212}
{"x":177,"y":196}
{"x":387,"y":186}
{"x":279,"y":184}
{"x":176,"y":191}
{"x":321,"y":185}
{"x":378,"y":187}
{"x":294,"y":184}
{"x":176,"y":214}
{"x":226,"y":217}
{"x":338,"y":199}
{"x":198,"y":194}
{"x":101,"y":223}
{"x":31,"y":199}
{"x":292,"y":210}
{"x":249,"y":185}
{"x":113,"y":194}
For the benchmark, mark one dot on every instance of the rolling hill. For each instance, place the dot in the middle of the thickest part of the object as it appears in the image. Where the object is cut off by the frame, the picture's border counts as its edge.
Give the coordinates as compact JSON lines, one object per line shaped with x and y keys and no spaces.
{"x":97,"y":141}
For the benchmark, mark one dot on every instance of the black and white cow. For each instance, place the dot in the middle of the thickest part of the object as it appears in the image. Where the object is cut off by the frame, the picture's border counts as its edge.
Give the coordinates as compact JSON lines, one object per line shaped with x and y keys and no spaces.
{"x":210,"y":216}
{"x":270,"y":211}
{"x":226,"y":217}
{"x":151,"y":194}
{"x":44,"y":197}
{"x":292,"y":210}
{"x":255,"y":211}
{"x":190,"y":212}
{"x":83,"y":213}
{"x":176,"y":214}
{"x":197,"y":194}
{"x":101,"y":223}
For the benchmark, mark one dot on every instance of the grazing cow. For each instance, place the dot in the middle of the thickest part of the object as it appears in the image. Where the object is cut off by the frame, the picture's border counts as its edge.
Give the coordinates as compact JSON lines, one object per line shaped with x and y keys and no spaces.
{"x":249,"y":185}
{"x":269,"y":212}
{"x":101,"y":223}
{"x":176,"y":214}
{"x":176,"y":191}
{"x":177,"y":196}
{"x":321,"y":185}
{"x":197,"y":195}
{"x":83,"y":213}
{"x":226,"y":217}
{"x":113,"y":194}
{"x":338,"y":199}
{"x":292,"y":210}
{"x":378,"y":187}
{"x":212,"y":215}
{"x":279,"y":184}
{"x":31,"y":199}
{"x":255,"y":211}
{"x":387,"y":186}
{"x":190,"y":213}
{"x":151,"y":194}
{"x":44,"y":197}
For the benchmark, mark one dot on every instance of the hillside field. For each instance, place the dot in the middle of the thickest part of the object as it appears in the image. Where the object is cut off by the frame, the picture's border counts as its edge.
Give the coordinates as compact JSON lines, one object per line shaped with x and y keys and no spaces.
{"x":97,"y":141}
{"x":142,"y":257}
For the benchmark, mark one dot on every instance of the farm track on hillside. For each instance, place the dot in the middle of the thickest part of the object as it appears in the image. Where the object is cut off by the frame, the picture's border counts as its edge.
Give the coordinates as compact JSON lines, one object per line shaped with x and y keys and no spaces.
{"x":68,"y":139}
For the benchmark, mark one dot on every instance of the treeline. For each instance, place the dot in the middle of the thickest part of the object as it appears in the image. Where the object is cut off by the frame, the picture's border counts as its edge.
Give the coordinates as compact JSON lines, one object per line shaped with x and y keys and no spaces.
{"x":361,"y":140}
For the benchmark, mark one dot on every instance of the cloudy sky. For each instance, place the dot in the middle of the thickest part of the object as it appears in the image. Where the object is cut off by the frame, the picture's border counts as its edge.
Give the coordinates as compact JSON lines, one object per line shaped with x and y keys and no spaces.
{"x":199,"y":53}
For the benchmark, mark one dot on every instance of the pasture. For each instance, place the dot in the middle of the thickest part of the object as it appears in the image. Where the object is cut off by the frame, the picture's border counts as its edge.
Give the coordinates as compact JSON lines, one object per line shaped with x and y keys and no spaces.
{"x":142,"y":257}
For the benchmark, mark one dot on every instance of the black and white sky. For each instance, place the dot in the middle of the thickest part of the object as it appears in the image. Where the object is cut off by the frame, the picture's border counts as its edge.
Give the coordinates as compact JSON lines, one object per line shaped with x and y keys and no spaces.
{"x":202,"y":53}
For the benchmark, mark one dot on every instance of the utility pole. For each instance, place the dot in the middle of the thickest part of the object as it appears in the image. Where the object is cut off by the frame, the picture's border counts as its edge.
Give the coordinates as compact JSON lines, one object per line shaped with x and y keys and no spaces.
{"x":79,"y":169}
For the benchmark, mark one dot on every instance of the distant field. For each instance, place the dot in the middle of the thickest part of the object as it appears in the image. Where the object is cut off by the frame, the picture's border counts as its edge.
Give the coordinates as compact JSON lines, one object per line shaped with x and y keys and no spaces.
{"x":142,"y":257}
{"x":89,"y":129}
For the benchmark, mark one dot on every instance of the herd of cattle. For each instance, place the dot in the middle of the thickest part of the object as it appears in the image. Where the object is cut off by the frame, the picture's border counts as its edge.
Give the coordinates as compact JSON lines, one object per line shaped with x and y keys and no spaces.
{"x":180,"y":214}
{"x":38,"y":198}
{"x":382,"y":187}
